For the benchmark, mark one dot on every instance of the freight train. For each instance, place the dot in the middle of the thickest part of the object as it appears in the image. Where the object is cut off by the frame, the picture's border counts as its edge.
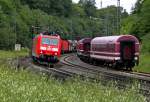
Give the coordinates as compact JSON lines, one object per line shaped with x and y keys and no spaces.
{"x":48,"y":48}
{"x":114,"y":51}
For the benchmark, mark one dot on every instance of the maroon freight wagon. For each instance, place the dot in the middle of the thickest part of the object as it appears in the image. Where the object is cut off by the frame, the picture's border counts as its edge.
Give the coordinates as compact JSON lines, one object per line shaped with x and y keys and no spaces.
{"x":119,"y":51}
{"x":83,"y":49}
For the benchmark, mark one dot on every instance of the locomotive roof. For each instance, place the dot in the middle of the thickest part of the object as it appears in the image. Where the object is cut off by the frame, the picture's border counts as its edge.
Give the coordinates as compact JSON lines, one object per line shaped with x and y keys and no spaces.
{"x":114,"y":39}
{"x":85,"y":40}
{"x":52,"y":36}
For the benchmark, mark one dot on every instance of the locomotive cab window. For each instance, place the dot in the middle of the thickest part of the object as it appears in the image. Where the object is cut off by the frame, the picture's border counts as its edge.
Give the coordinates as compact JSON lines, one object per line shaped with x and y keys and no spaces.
{"x":53,"y":42}
{"x":45,"y":41}
{"x":49,"y":41}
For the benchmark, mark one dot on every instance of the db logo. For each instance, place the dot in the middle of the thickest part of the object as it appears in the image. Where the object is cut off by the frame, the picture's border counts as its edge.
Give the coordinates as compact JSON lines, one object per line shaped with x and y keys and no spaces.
{"x":49,"y":48}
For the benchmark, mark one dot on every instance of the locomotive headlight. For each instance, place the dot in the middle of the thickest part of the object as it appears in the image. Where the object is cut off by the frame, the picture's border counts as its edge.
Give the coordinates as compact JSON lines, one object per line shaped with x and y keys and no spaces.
{"x":41,"y":52}
{"x":136,"y":58}
{"x":42,"y":48}
{"x":54,"y":49}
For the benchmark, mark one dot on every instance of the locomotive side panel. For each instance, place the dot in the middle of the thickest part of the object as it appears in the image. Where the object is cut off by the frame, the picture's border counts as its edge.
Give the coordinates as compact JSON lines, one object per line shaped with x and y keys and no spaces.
{"x":35,"y":46}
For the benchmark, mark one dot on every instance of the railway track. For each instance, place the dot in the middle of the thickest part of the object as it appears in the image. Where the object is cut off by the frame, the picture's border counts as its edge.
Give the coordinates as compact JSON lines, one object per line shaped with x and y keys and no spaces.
{"x":70,"y":66}
{"x":124,"y":79}
{"x":67,"y":60}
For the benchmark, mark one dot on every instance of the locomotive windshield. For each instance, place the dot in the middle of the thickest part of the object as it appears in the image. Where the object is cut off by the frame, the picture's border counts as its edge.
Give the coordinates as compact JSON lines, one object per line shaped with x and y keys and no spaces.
{"x":49,"y":41}
{"x":45,"y":41}
{"x":53,"y":41}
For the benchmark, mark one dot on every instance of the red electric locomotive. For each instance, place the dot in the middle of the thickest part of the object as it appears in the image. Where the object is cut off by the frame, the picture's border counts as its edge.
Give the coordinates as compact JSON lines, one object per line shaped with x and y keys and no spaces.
{"x":46,"y":48}
{"x":119,"y":51}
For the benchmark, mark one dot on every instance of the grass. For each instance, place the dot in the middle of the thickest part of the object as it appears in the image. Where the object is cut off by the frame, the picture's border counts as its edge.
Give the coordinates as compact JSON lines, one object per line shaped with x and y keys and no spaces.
{"x":144,"y":65}
{"x":25,"y":86}
{"x":12,"y":54}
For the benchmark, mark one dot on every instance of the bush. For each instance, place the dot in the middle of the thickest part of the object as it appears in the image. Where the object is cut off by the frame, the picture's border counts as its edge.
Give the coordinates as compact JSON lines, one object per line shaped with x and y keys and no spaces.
{"x":146,"y":44}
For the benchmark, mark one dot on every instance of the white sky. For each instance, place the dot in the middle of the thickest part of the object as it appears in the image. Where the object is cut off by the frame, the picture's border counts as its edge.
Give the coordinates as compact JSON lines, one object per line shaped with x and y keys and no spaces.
{"x":126,"y":4}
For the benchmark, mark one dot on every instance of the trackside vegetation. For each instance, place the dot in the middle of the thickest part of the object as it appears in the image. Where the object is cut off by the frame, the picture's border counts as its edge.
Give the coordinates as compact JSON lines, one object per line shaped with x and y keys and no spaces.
{"x":13,"y":54}
{"x":23,"y":86}
{"x":144,"y":65}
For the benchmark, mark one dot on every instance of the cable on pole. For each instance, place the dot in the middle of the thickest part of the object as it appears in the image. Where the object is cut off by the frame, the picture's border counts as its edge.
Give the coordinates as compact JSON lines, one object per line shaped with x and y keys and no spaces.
{"x":118,"y":17}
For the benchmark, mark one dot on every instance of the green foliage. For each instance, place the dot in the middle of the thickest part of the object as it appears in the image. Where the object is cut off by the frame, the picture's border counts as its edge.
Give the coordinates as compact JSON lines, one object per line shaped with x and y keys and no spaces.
{"x":90,"y":8}
{"x":13,"y":54}
{"x":52,"y":7}
{"x":144,"y":65}
{"x":7,"y":40}
{"x":62,"y":16}
{"x":6,"y":31}
{"x":109,"y":19}
{"x":127,"y":24}
{"x":139,"y":20}
{"x":138,"y":6}
{"x":78,"y":10}
{"x":146,"y":44}
{"x":7,"y":6}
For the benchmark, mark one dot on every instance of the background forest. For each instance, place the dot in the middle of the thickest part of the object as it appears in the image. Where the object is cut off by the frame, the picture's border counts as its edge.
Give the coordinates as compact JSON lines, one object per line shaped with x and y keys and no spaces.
{"x":70,"y":20}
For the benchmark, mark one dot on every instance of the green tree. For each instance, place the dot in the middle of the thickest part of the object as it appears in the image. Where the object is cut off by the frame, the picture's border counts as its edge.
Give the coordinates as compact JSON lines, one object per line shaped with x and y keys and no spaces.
{"x":52,"y":7}
{"x":141,"y":27}
{"x":78,"y":10}
{"x":89,"y":7}
{"x":138,"y":6}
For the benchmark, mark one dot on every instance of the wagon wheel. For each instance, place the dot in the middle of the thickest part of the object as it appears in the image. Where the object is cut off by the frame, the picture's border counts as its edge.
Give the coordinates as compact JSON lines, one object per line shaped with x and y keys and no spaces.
{"x":34,"y":60}
{"x":129,"y":68}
